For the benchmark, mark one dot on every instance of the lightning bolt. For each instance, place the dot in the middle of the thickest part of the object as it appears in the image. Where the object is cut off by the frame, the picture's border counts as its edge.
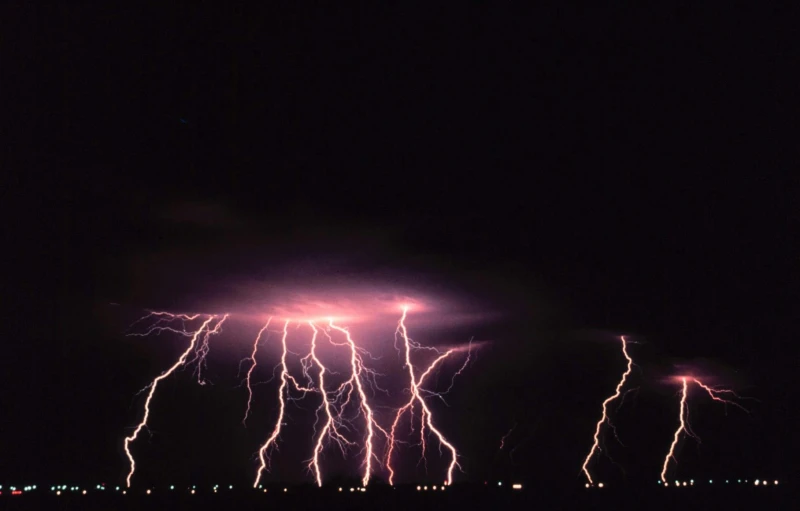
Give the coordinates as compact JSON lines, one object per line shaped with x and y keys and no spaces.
{"x":330,"y":430}
{"x":250,"y":371}
{"x":683,"y":417}
{"x":164,"y":323}
{"x":333,"y":422}
{"x":355,"y":383}
{"x":683,"y":426}
{"x":713,"y":393}
{"x":604,"y":418}
{"x":283,"y":395}
{"x":416,"y":396}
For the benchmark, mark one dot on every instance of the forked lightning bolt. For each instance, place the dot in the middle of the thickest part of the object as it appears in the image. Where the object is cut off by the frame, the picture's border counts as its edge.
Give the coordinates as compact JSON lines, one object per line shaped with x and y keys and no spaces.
{"x":683,"y":425}
{"x":415,"y":396}
{"x":712,"y":392}
{"x":355,"y":383}
{"x":333,"y":422}
{"x":330,"y":430}
{"x":604,"y":417}
{"x":250,"y":371}
{"x":283,"y":395}
{"x":165,"y":323}
{"x":683,"y":417}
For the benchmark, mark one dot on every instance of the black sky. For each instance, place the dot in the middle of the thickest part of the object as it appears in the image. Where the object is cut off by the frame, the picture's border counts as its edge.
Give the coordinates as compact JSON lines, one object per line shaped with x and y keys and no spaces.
{"x":587,"y":172}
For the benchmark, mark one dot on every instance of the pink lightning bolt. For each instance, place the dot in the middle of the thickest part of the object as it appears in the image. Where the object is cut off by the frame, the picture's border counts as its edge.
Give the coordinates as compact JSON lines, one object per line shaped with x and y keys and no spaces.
{"x":683,"y":417}
{"x":165,"y":318}
{"x":355,"y":382}
{"x":713,"y":393}
{"x":683,"y":426}
{"x":282,"y":394}
{"x":416,"y":396}
{"x":604,"y":417}
{"x":331,"y":427}
{"x":250,"y":371}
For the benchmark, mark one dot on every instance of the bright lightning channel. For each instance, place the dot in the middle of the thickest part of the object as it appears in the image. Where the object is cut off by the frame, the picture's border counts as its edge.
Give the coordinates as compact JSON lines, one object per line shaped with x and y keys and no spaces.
{"x":683,"y":417}
{"x":683,"y":426}
{"x":355,"y":382}
{"x":604,"y":418}
{"x":253,"y":363}
{"x":283,"y":395}
{"x":416,"y":395}
{"x":164,"y":323}
{"x":330,"y":430}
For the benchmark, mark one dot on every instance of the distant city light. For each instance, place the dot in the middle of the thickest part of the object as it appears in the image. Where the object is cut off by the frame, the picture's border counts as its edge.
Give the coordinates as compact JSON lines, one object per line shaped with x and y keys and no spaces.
{"x":587,"y":485}
{"x":58,"y":492}
{"x":757,"y":482}
{"x":499,"y":483}
{"x":434,"y":486}
{"x":84,"y":492}
{"x":148,"y":491}
{"x":340,"y":489}
{"x":776,"y":482}
{"x":419,"y":488}
{"x":192,"y":492}
{"x":171,"y":487}
{"x":600,"y":485}
{"x":515,"y":486}
{"x":285,"y":490}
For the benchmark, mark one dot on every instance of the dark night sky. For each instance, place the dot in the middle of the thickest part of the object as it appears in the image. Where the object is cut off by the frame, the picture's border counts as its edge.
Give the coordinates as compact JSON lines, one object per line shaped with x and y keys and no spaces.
{"x":585,"y":172}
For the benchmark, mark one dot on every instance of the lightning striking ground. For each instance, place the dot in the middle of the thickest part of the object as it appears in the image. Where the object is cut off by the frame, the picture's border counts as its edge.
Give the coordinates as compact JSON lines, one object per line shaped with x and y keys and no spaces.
{"x":355,"y":383}
{"x":341,"y":407}
{"x":330,"y":430}
{"x":164,"y":323}
{"x":416,"y":396}
{"x":682,"y":426}
{"x":604,"y":418}
{"x":683,"y":418}
{"x":283,"y":395}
